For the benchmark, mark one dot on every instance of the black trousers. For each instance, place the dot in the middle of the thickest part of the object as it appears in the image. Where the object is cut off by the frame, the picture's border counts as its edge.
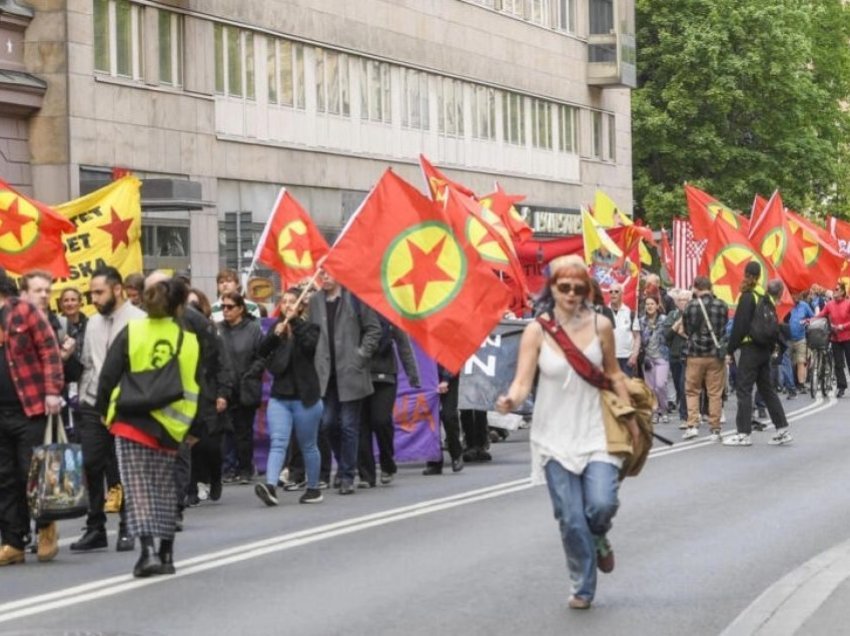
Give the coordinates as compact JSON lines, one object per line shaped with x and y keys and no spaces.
{"x":754,"y":369}
{"x":377,"y":420}
{"x":841,"y":354}
{"x":18,"y":435}
{"x":243,"y":436}
{"x":206,"y":460}
{"x":475,"y":429}
{"x":98,"y":458}
{"x":451,"y":422}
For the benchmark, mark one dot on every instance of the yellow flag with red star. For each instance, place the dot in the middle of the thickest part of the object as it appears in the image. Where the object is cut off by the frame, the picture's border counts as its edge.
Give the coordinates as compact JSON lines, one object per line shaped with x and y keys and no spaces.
{"x":108,"y":232}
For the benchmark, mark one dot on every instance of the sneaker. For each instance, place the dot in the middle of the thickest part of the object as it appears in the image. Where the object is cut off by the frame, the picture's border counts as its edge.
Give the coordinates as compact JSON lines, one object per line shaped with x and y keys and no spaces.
{"x":292,"y":486}
{"x":782,"y":437}
{"x":203,"y":491}
{"x":322,"y":485}
{"x":114,"y":498}
{"x":791,"y":394}
{"x":266,"y":493}
{"x":690,"y":433}
{"x":311,"y":496}
{"x":230,"y":478}
{"x":245,"y":478}
{"x":665,"y":419}
{"x":655,"y":419}
{"x":386,"y":478}
{"x":759,"y":426}
{"x":683,"y":424}
{"x":604,"y":555}
{"x":715,"y":436}
{"x":365,"y":485}
{"x":762,"y":414}
{"x":738,"y":439}
{"x":840,"y":393}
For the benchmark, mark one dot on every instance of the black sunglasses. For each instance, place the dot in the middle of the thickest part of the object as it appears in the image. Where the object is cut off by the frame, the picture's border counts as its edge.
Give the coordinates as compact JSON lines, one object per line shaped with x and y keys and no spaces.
{"x":228,"y":307}
{"x":566,"y":288}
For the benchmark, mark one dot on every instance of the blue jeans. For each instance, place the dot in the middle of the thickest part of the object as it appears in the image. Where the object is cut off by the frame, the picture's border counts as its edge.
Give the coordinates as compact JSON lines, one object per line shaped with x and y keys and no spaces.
{"x":786,"y":372}
{"x":281,"y":417}
{"x":341,"y":421}
{"x":584,"y":506}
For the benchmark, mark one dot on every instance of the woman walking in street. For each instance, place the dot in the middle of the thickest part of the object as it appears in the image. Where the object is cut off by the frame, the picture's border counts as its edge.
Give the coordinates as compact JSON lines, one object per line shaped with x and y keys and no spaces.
{"x":295,"y":402}
{"x":568,"y":436}
{"x":241,"y":335}
{"x":148,"y":431}
{"x":656,"y":359}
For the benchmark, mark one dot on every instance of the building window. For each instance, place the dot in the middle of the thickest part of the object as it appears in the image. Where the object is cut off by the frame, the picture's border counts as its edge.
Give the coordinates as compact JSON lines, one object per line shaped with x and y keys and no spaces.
{"x":513,"y":118}
{"x":117,"y":38}
{"x":285,"y":68}
{"x":566,"y":19}
{"x":612,"y":138}
{"x":566,"y":128}
{"x":170,"y":48}
{"x":484,"y":113}
{"x":164,"y":239}
{"x":234,"y":61}
{"x":450,"y":113}
{"x":514,"y":7}
{"x":414,"y":99}
{"x":375,"y":91}
{"x":596,"y":137}
{"x":332,"y":85}
{"x":538,"y":11}
{"x":541,"y":124}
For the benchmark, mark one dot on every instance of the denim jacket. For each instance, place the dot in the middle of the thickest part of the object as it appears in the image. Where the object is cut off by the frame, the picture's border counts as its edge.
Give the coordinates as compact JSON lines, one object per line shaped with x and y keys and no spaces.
{"x":654,"y":338}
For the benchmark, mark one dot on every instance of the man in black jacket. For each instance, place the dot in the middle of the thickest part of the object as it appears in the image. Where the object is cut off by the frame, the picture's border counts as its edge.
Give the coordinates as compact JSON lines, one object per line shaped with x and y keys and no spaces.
{"x":754,"y":363}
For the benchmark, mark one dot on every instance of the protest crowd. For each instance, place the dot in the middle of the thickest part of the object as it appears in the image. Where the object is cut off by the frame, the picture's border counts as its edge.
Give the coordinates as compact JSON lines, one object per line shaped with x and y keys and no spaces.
{"x":160,"y":387}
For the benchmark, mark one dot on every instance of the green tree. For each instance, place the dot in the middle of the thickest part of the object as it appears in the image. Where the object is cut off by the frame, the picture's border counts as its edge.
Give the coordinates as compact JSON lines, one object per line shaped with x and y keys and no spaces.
{"x":739,"y":97}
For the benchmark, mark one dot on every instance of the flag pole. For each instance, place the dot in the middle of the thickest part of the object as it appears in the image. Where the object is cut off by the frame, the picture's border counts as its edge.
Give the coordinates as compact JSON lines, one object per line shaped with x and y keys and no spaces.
{"x":264,"y":235}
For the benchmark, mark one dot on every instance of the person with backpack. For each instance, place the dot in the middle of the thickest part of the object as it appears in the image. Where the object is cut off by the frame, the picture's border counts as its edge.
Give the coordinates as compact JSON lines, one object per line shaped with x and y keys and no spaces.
{"x":377,"y":417}
{"x":837,"y":311}
{"x":755,"y":332}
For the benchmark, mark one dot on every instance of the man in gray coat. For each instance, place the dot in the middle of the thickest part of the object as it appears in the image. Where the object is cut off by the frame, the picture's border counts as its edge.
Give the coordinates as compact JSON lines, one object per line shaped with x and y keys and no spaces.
{"x":350,"y":333}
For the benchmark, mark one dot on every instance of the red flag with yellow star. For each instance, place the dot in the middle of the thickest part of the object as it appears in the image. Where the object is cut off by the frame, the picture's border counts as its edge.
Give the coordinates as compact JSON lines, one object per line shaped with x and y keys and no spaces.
{"x":401,"y":256}
{"x":703,"y":209}
{"x":771,"y":235}
{"x":726,"y":254}
{"x":31,"y":234}
{"x":502,"y":204}
{"x":291,"y":243}
{"x":438,"y":182}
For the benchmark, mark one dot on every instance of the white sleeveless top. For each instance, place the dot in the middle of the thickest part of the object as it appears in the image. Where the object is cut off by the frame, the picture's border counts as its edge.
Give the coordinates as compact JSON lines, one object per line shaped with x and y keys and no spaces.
{"x":567,"y":425}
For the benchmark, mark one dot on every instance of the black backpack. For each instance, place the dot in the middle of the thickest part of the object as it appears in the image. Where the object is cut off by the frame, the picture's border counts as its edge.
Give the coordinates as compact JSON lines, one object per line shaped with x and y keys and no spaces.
{"x":764,"y":328}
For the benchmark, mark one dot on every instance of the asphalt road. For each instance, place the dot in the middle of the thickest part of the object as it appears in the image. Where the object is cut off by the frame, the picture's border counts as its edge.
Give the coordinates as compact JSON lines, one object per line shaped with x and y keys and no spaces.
{"x":701,"y":540}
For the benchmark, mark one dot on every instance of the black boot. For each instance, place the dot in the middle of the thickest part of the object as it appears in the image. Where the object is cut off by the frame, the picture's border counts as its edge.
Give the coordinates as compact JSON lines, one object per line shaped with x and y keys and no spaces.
{"x":92,"y":539}
{"x":148,"y":564}
{"x":125,"y":542}
{"x":166,"y":556}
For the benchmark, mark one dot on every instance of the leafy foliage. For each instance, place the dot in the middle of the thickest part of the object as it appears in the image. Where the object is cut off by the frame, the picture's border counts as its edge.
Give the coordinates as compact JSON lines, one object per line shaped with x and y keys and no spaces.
{"x":739,"y":97}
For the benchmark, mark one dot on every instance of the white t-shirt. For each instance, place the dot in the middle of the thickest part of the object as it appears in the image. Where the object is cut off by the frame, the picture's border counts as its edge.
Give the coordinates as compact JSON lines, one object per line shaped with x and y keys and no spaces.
{"x":624,"y":326}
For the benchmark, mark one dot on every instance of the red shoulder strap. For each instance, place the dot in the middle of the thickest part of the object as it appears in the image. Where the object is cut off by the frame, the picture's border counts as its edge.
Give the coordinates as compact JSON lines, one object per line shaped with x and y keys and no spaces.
{"x":578,"y":361}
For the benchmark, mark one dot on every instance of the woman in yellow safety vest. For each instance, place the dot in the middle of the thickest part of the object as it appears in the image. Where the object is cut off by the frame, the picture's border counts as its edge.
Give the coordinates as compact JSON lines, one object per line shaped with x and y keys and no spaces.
{"x":147,"y":422}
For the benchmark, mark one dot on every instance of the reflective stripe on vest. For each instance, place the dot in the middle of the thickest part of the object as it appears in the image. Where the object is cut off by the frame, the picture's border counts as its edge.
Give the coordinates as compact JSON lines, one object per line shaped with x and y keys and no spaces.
{"x":151,"y":342}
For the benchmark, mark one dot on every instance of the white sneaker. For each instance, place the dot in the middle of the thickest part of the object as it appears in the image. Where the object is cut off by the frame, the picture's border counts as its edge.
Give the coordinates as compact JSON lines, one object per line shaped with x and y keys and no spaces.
{"x":203,"y":491}
{"x":665,"y":419}
{"x":690,"y":433}
{"x":715,"y":436}
{"x":781,"y":437}
{"x":738,"y":439}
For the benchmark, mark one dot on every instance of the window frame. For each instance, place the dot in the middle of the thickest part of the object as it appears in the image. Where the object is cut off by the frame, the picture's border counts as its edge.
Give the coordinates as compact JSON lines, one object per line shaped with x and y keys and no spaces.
{"x":244,"y":41}
{"x":513,"y":103}
{"x":112,"y":53}
{"x":175,"y":26}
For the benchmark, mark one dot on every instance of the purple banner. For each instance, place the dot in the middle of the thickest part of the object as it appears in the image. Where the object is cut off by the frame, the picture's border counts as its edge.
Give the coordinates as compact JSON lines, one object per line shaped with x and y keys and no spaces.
{"x":416,"y":414}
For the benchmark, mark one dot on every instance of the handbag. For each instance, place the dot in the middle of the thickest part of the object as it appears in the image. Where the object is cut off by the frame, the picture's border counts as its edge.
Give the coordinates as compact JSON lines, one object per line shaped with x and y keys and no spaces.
{"x":251,"y":389}
{"x":720,"y":347}
{"x":141,"y":392}
{"x":615,"y":412}
{"x":56,"y":487}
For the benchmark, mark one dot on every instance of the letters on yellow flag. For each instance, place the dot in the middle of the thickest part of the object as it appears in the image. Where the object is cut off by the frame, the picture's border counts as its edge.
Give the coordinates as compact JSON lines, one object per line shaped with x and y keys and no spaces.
{"x":109,"y":231}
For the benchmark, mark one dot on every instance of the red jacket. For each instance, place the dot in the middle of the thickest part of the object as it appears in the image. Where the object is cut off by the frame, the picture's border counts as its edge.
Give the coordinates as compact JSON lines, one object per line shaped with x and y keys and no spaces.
{"x":838,"y":312}
{"x":32,"y":353}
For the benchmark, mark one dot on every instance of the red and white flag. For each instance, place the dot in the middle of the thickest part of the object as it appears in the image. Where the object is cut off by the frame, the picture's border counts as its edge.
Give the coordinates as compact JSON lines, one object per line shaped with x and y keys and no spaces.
{"x":687,"y":253}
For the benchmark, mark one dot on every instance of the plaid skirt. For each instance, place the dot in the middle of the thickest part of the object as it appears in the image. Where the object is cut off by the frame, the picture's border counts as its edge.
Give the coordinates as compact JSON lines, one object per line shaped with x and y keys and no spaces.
{"x":150,"y":492}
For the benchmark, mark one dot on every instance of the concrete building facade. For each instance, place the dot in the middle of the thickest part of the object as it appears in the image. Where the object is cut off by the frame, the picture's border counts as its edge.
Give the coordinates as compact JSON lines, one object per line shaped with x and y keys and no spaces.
{"x":240,"y":97}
